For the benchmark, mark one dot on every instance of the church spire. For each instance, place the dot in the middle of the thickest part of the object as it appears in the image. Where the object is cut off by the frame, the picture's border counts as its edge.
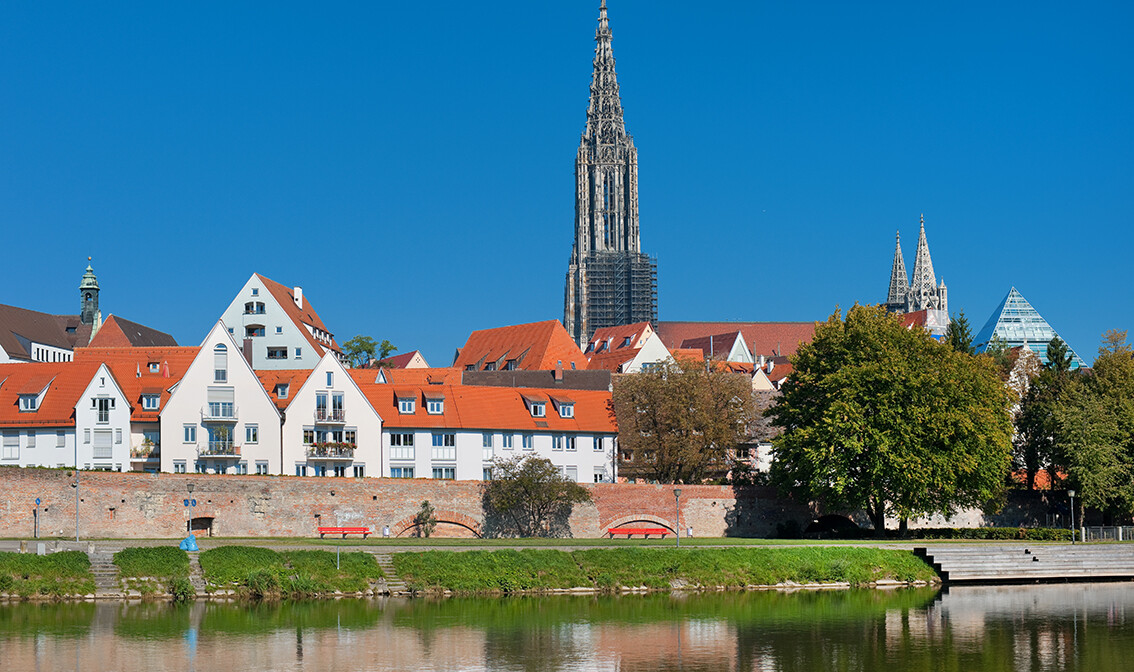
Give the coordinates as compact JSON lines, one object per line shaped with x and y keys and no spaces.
{"x":604,"y":113}
{"x":923,"y":287}
{"x":899,"y":279}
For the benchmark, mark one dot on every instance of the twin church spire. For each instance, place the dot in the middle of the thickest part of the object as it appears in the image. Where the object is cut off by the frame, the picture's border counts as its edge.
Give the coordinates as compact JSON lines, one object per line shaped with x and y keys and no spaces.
{"x":922,"y":292}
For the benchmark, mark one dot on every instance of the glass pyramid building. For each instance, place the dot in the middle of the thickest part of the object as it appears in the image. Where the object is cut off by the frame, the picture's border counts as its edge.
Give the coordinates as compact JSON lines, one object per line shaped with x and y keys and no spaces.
{"x":1016,"y":323}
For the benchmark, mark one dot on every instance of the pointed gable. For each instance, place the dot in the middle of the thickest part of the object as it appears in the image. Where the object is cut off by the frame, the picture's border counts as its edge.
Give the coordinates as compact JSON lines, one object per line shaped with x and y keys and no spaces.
{"x":142,"y":371}
{"x":117,"y":332}
{"x":304,"y":316}
{"x":535,"y":346}
{"x":762,"y":338}
{"x":57,"y":386}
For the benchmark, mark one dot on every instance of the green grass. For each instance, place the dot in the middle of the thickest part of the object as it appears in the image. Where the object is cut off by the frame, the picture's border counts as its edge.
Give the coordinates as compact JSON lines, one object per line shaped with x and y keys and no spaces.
{"x":152,"y":569}
{"x":56,"y":575}
{"x":263,"y":573}
{"x":607,"y":570}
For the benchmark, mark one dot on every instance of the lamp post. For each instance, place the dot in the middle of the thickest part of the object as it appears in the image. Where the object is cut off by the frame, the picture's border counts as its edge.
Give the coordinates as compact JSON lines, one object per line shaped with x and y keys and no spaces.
{"x":189,"y":503}
{"x":677,"y":518}
{"x":1071,"y":494}
{"x":75,"y":485}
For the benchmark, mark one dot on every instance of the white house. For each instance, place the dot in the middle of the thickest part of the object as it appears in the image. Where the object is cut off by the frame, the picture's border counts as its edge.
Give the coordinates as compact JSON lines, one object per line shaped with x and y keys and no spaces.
{"x":102,"y":423}
{"x":330,"y":428}
{"x":37,"y":414}
{"x":219,"y":419}
{"x":278,"y":325}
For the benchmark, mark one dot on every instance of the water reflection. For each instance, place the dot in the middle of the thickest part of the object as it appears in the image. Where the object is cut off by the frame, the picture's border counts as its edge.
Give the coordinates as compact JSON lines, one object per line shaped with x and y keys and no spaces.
{"x":1066,"y":627}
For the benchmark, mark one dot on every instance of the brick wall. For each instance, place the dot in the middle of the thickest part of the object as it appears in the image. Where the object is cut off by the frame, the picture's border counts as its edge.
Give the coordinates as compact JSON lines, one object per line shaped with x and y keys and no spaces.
{"x":135,"y":505}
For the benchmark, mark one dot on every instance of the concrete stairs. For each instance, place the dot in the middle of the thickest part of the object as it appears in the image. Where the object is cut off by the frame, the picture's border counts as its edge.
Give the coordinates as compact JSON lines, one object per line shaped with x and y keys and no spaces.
{"x":107,"y":583}
{"x":981,"y":563}
{"x":394,"y":584}
{"x":196,"y":576}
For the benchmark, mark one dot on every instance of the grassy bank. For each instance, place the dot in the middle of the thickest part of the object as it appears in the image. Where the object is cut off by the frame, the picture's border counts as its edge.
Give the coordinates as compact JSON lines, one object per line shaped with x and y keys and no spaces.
{"x":55,"y":575}
{"x":613,"y":569}
{"x":261,"y":572}
{"x":155,"y":569}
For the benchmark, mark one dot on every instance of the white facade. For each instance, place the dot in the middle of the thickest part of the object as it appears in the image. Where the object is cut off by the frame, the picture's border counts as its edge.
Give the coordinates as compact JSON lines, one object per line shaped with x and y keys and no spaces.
{"x":37,"y":446}
{"x":330,"y":428}
{"x":653,"y":351}
{"x":102,"y":424}
{"x":219,"y":418}
{"x":278,"y":342}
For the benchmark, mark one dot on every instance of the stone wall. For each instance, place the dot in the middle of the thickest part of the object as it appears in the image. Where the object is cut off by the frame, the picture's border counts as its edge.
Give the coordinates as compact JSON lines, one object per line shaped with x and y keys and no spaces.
{"x":135,"y":505}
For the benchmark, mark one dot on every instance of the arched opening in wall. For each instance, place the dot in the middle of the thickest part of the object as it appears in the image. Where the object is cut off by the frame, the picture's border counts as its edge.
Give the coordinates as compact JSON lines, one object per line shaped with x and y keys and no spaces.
{"x":446,"y":529}
{"x":202,"y":525}
{"x":638,"y":521}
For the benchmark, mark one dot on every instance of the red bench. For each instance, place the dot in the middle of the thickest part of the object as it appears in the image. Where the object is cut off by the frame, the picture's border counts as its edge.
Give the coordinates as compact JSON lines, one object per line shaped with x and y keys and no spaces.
{"x":644,"y":531}
{"x":364,"y":531}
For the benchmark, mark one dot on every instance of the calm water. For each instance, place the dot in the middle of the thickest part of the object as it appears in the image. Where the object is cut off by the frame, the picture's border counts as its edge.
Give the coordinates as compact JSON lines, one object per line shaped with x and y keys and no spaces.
{"x":1081,"y":627}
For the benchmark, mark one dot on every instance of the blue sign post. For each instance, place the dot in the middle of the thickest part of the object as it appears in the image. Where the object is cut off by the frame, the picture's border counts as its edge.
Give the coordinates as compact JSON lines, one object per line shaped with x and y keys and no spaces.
{"x":35,"y":531}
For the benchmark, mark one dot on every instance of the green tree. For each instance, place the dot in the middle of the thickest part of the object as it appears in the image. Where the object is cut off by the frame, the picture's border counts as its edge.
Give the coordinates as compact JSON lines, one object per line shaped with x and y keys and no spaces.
{"x":1095,"y":432}
{"x":425,"y":520}
{"x":681,"y":422}
{"x":959,"y":336}
{"x":1058,"y":355}
{"x":1036,"y":426}
{"x":528,"y":497}
{"x":361,"y":349}
{"x":884,"y":418}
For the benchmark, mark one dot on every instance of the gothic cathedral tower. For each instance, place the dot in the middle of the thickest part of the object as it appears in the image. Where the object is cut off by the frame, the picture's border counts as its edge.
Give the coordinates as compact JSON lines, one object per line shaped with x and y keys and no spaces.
{"x":609,"y":280}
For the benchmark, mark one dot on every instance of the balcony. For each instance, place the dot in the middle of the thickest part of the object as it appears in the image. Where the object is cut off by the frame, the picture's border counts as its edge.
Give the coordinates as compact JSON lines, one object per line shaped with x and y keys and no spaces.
{"x":330,"y":451}
{"x":333,"y":416}
{"x":219,"y":411}
{"x":146,"y":451}
{"x":219,"y":449}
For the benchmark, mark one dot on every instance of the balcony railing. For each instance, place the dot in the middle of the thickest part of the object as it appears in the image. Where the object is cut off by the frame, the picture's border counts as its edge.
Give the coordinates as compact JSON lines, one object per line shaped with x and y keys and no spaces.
{"x":219,"y":411}
{"x":219,"y":449}
{"x":145,"y":451}
{"x":331,"y":451}
{"x":334,"y":415}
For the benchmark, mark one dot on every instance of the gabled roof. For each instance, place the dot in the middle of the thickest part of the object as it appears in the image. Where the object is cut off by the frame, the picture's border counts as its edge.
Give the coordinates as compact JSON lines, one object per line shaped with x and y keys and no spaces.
{"x":406,"y":376}
{"x":719,"y":346}
{"x":130,"y":367}
{"x":491,"y":408}
{"x":31,"y":325}
{"x":118,"y":332}
{"x":613,"y":360}
{"x":616,"y":337}
{"x":533,"y":346}
{"x":302,"y":317}
{"x":293,"y":378}
{"x":401,"y":361}
{"x":761,"y":338}
{"x":696,"y":354}
{"x":57,"y":408}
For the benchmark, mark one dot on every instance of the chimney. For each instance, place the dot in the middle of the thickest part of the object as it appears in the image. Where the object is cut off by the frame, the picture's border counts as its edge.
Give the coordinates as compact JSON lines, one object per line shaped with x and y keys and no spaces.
{"x":299,"y":297}
{"x":559,"y":371}
{"x":248,"y":351}
{"x":760,"y":361}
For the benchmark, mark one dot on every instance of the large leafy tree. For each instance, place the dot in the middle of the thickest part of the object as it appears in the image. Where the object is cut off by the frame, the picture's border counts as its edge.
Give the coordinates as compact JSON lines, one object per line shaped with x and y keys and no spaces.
{"x":361,"y":349}
{"x":528,"y":497}
{"x":884,"y":418}
{"x":1095,"y":429}
{"x":682,"y":421}
{"x":1036,"y":426}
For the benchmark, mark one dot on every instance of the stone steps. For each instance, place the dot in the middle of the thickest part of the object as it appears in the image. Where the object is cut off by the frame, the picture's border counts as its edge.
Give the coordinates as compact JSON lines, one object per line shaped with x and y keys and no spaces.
{"x":394,"y":584}
{"x":105,"y":574}
{"x":196,"y":576}
{"x":1030,"y":564}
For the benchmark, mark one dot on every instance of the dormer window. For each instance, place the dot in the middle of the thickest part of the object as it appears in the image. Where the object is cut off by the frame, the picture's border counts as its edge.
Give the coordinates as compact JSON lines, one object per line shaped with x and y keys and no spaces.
{"x":281,"y":390}
{"x":407,"y":402}
{"x":626,"y":342}
{"x":510,"y":365}
{"x":150,"y":402}
{"x":566,"y":410}
{"x":154,"y":367}
{"x":539,"y":409}
{"x":29,"y":403}
{"x":491,"y":366}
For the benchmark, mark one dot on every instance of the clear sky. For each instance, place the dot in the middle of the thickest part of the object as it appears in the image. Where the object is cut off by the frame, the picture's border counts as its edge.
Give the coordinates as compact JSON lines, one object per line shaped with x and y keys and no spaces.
{"x":410,"y":164}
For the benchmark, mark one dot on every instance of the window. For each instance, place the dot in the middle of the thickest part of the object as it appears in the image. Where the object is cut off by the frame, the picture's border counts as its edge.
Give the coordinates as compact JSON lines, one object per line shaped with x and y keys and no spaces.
{"x":406,"y":405}
{"x":600,"y":476}
{"x":527,"y":441}
{"x":277,"y":353}
{"x":510,"y":365}
{"x":118,"y":435}
{"x":570,"y":440}
{"x":445,"y":473}
{"x":571,"y":473}
{"x":300,"y":469}
{"x":86,"y":436}
{"x":150,"y":402}
{"x":103,"y":444}
{"x":60,"y":438}
{"x":557,"y":442}
{"x":507,"y":440}
{"x":435,"y":406}
{"x":330,"y":379}
{"x":350,"y":436}
{"x":321,"y":406}
{"x":154,"y":367}
{"x":444,"y":446}
{"x":486,"y":474}
{"x":279,"y":330}
{"x":253,"y":330}
{"x":251,"y":434}
{"x":262,"y":468}
{"x":220,"y":363}
{"x":486,"y":442}
{"x":401,"y":447}
{"x":102,"y":406}
{"x":360,"y":471}
{"x":401,"y":472}
{"x":308,"y":436}
{"x":242,"y":468}
{"x":337,"y":406}
{"x":254,"y":307}
{"x":340,"y":470}
{"x":538,"y":409}
{"x":491,"y":366}
{"x":11,"y":445}
{"x":598,"y":441}
{"x":298,"y":353}
{"x":179,"y":466}
{"x":566,"y":410}
{"x":281,"y":390}
{"x":28,"y":402}
{"x":190,"y":433}
{"x":255,"y":291}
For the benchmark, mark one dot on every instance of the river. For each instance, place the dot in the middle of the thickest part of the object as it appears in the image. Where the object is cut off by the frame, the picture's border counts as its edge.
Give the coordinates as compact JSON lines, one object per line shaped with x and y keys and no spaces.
{"x":1087,"y":627}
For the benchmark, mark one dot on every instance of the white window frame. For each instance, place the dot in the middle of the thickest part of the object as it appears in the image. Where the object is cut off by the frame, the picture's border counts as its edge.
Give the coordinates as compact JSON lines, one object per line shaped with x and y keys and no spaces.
{"x":262,"y":467}
{"x":528,"y":442}
{"x":539,"y":409}
{"x":151,"y":402}
{"x":407,"y":405}
{"x":566,"y":410}
{"x":435,"y":406}
{"x":189,"y":433}
{"x":252,"y":433}
{"x":179,"y":467}
{"x":507,"y":440}
{"x":448,"y":473}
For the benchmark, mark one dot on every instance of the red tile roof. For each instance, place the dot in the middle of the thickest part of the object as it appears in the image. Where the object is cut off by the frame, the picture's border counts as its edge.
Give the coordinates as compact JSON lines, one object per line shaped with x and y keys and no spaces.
{"x":719,"y":346}
{"x":285,"y":296}
{"x":695,"y":354}
{"x":492,"y":408}
{"x":762,"y":338}
{"x":613,"y":360}
{"x":399,"y":361}
{"x":130,"y":367}
{"x":117,"y":332}
{"x":293,"y":378}
{"x":617,"y":335}
{"x":57,"y":408}
{"x":534,"y":346}
{"x":407,"y":376}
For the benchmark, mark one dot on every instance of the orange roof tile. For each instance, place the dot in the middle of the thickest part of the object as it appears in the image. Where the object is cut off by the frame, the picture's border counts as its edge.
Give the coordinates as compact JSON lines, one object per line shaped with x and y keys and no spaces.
{"x":117,"y":332}
{"x":130,"y":367}
{"x":57,"y":408}
{"x":695,"y":354}
{"x":408,"y":376}
{"x":399,"y":361}
{"x":762,"y":338}
{"x":533,"y":346}
{"x":613,"y":360}
{"x":300,"y":316}
{"x":617,"y":336}
{"x":719,"y":346}
{"x":293,"y":378}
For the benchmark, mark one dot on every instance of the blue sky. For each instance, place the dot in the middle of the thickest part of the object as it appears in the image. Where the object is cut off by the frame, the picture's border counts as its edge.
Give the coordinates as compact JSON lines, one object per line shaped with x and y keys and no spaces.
{"x":411,"y":164}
